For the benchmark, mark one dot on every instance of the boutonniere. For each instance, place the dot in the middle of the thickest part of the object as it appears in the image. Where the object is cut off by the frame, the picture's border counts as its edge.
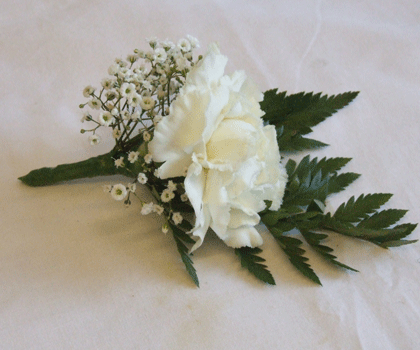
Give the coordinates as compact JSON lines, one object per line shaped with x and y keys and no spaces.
{"x":211,"y":149}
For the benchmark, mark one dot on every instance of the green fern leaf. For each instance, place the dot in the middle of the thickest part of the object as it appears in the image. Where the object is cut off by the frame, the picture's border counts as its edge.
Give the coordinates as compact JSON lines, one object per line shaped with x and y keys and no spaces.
{"x":291,"y":246}
{"x":296,"y":114}
{"x":331,"y":165}
{"x":181,"y":237}
{"x":314,"y":240}
{"x":395,"y":234}
{"x":291,"y":143}
{"x":251,"y":261}
{"x":383,"y":219}
{"x":353,"y":211}
{"x":397,"y":243}
{"x":302,"y":110}
{"x":338,"y":183}
{"x":304,"y":190}
{"x":377,"y":236}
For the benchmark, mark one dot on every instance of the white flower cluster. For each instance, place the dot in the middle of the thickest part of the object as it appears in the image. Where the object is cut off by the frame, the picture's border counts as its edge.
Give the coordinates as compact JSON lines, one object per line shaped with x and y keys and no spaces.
{"x":202,"y":141}
{"x":167,"y":192}
{"x":137,"y":96}
{"x":215,"y":130}
{"x":139,"y":91}
{"x":163,"y":206}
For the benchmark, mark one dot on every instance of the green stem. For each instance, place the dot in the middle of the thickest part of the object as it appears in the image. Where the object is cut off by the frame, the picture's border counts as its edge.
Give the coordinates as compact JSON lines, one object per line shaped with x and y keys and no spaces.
{"x":102,"y":165}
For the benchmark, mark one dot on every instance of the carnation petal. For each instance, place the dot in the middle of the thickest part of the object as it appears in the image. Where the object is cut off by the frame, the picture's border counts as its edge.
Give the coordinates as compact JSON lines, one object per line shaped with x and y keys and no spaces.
{"x":232,"y":142}
{"x":177,"y":134}
{"x":239,"y":218}
{"x":217,"y":199}
{"x":194,"y":187}
{"x":210,"y":69}
{"x":244,"y":236}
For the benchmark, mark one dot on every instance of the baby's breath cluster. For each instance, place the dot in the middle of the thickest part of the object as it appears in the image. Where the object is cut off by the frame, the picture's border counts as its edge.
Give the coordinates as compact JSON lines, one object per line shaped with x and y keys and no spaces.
{"x":139,"y":90}
{"x":137,"y":96}
{"x":169,"y":195}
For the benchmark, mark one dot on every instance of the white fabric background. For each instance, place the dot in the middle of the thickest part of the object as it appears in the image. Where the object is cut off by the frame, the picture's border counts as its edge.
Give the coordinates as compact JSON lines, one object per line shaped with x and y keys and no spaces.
{"x":80,"y":271}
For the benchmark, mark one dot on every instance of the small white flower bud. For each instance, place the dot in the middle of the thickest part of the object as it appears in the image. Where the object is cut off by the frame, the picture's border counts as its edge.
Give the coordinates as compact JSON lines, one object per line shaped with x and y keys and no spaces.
{"x":146,"y":136}
{"x":116,"y":133}
{"x":119,"y":162}
{"x":133,"y":157}
{"x":147,"y":103}
{"x":167,"y":195}
{"x":148,"y":158}
{"x":88,"y":91}
{"x":132,"y":188}
{"x":119,"y":192}
{"x":147,"y":208}
{"x":142,"y":178}
{"x":177,"y":218}
{"x":94,"y":139}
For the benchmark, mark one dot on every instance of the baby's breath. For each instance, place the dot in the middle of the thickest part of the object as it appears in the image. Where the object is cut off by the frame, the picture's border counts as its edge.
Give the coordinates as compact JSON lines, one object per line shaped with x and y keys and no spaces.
{"x":139,"y":90}
{"x":119,"y":162}
{"x":142,"y":178}
{"x":94,"y":139}
{"x":131,"y":101}
{"x":147,"y":208}
{"x":177,"y":218}
{"x":133,"y":156}
{"x":118,"y":192}
{"x":167,"y":195}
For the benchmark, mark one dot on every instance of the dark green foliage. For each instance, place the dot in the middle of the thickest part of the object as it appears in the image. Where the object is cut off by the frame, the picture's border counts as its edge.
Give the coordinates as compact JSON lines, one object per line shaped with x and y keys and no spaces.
{"x":291,"y":246}
{"x":315,"y":180}
{"x":180,"y":239}
{"x":339,"y":182}
{"x":314,"y":240}
{"x":295,"y":115}
{"x":251,"y":261}
{"x":303,"y":212}
{"x":353,"y":211}
{"x":384,"y":237}
{"x":289,"y":140}
{"x":383,"y":219}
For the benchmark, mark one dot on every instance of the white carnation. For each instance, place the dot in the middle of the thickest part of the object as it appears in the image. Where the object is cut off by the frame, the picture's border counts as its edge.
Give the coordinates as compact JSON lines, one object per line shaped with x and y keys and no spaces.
{"x":215,"y":130}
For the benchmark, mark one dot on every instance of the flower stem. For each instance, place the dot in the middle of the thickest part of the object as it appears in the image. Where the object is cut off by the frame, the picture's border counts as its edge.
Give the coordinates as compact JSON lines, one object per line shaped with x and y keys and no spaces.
{"x":102,"y":165}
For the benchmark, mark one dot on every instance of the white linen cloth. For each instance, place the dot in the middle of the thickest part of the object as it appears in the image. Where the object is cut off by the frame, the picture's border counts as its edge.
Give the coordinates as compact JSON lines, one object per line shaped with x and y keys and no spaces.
{"x":80,"y":271}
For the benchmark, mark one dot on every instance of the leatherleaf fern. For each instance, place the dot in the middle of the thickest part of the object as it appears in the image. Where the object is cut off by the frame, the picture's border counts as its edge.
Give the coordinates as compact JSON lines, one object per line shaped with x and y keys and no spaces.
{"x":302,"y":216}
